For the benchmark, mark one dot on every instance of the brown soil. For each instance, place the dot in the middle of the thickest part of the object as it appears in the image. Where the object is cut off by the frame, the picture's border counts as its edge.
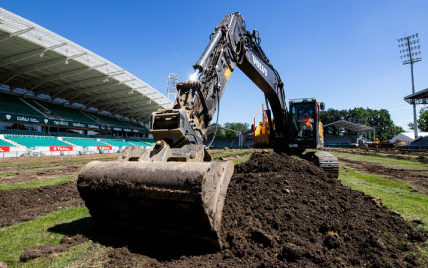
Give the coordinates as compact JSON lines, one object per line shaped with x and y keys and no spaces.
{"x":417,"y":178}
{"x":400,"y":154}
{"x":49,"y":249}
{"x":56,"y":158}
{"x":26,"y":204}
{"x":40,"y":173}
{"x":279,"y":212}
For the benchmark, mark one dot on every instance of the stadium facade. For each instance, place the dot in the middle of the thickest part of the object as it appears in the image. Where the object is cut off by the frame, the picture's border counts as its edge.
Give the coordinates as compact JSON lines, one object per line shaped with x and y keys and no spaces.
{"x":53,"y":88}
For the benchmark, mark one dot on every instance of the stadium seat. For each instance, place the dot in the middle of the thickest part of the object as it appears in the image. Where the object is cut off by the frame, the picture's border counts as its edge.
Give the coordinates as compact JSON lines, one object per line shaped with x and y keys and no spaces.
{"x":21,"y":132}
{"x":32,"y":141}
{"x":118,"y":143}
{"x":85,"y":142}
{"x":12,"y":104}
{"x":109,"y":121}
{"x":137,"y":143}
{"x":5,"y":143}
{"x":67,"y":113}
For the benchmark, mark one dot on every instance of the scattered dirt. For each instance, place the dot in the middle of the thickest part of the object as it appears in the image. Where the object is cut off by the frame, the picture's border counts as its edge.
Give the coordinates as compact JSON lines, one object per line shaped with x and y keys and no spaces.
{"x":39,"y":174}
{"x":417,"y":178}
{"x":400,"y":154}
{"x":279,"y":212}
{"x":29,"y":159}
{"x":26,"y":169}
{"x":50,"y":249}
{"x":26,"y":204}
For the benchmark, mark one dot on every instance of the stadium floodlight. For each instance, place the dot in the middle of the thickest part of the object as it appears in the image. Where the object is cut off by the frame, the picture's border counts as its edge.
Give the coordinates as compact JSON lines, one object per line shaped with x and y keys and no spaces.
{"x":410,"y":52}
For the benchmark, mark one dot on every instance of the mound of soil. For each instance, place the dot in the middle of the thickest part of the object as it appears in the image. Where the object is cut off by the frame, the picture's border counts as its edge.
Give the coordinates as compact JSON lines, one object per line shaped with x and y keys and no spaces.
{"x":26,"y":204}
{"x":282,"y":211}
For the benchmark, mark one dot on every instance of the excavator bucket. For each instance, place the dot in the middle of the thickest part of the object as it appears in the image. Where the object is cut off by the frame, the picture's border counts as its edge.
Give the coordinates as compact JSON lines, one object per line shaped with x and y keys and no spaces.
{"x":180,"y":199}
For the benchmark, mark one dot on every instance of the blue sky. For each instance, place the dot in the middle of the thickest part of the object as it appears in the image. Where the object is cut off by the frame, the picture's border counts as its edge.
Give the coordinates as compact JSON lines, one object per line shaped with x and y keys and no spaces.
{"x":342,"y":52}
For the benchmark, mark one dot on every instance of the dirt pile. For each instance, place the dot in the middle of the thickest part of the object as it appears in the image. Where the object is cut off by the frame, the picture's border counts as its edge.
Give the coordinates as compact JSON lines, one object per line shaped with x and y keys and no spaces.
{"x":283,"y":211}
{"x":26,"y":204}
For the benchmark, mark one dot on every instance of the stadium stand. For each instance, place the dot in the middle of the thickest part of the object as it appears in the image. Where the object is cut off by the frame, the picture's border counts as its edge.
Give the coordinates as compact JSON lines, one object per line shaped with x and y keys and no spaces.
{"x":21,"y":132}
{"x":56,"y":93}
{"x":118,"y":143}
{"x":85,"y":142}
{"x":420,"y":143}
{"x":66,"y":113}
{"x":340,"y":141}
{"x":5,"y":143}
{"x":137,"y":143}
{"x":109,"y":121}
{"x":35,"y":141}
{"x":10,"y":104}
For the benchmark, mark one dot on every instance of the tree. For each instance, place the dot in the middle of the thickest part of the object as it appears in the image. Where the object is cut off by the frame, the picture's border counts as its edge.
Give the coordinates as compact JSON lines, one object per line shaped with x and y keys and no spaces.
{"x":220,"y":132}
{"x":330,"y":116}
{"x":379,"y":119}
{"x":422,"y":121}
{"x":235,"y":126}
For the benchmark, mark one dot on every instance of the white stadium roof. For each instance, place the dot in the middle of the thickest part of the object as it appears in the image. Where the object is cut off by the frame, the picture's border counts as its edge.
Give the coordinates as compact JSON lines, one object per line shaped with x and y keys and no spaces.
{"x":42,"y":62}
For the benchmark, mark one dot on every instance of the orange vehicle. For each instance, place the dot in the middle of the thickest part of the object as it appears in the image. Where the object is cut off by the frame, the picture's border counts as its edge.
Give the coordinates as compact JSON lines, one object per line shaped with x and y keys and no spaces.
{"x":261,"y":130}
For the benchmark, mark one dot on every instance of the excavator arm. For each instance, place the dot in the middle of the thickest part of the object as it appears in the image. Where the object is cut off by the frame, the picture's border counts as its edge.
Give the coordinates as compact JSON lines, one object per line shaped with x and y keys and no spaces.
{"x":230,"y":46}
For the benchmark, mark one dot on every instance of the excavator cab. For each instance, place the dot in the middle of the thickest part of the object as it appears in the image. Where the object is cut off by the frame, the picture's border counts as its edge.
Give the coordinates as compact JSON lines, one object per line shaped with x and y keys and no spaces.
{"x":305,"y":126}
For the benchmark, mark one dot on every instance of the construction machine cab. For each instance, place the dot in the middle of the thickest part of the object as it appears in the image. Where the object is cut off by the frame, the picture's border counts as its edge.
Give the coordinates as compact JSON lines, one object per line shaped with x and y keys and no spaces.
{"x":305,"y":125}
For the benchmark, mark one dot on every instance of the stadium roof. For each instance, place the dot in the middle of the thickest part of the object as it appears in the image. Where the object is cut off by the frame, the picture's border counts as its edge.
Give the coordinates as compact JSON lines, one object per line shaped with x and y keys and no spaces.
{"x":42,"y":62}
{"x":420,"y":97}
{"x":350,"y":125}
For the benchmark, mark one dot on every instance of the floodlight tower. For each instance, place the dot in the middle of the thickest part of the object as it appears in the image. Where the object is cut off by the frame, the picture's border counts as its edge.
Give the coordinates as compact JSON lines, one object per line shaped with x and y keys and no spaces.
{"x":171,"y":86}
{"x":410,"y":52}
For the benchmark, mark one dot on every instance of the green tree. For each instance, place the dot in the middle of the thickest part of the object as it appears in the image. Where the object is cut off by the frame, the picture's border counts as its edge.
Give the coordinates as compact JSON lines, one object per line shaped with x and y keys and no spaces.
{"x":220,"y":132}
{"x":330,"y":116}
{"x":422,"y":121}
{"x":235,"y":126}
{"x":379,"y":119}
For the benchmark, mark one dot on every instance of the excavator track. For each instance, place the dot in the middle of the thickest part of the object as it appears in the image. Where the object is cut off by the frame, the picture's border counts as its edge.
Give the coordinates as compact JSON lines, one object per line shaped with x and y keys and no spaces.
{"x":325,"y":160}
{"x":328,"y":162}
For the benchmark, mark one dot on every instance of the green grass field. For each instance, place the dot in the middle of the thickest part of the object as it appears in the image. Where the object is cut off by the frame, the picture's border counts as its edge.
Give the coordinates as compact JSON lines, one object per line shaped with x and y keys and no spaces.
{"x":395,"y":195}
{"x":15,"y":238}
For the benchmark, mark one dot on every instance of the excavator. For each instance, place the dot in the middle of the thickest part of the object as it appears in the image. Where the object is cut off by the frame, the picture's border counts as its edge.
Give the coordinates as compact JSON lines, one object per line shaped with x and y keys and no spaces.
{"x":175,"y":188}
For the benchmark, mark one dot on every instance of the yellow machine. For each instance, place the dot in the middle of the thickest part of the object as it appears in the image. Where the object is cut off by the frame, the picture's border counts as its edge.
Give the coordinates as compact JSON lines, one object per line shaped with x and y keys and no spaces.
{"x":261,"y":131}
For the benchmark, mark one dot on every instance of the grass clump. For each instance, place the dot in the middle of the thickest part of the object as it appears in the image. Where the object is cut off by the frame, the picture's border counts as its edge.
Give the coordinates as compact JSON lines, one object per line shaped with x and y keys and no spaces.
{"x":15,"y":238}
{"x":37,"y":183}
